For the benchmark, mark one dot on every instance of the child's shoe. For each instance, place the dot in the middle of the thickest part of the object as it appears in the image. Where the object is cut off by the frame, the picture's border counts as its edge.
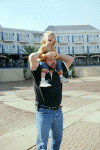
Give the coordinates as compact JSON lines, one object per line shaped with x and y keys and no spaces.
{"x":63,"y":80}
{"x":45,"y":84}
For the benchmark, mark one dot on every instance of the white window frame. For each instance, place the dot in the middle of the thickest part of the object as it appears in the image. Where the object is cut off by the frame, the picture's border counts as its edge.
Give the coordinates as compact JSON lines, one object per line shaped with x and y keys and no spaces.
{"x":93,"y":49}
{"x":64,"y":50}
{"x":78,"y":50}
{"x":5,"y":47}
{"x":9,"y":49}
{"x":8,"y":36}
{"x":37,"y":38}
{"x":23,"y":37}
{"x":63,"y":38}
{"x":93,"y":38}
{"x":78,"y":38}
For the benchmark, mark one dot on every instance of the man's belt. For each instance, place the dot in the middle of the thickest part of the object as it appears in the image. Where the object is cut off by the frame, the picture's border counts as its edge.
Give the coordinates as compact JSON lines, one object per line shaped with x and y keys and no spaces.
{"x":50,"y":108}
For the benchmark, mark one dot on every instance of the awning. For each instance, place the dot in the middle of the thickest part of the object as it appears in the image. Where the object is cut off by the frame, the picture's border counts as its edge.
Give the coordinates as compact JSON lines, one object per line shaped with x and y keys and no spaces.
{"x":95,"y":56}
{"x":25,"y":57}
{"x":3,"y":56}
{"x":80,"y":56}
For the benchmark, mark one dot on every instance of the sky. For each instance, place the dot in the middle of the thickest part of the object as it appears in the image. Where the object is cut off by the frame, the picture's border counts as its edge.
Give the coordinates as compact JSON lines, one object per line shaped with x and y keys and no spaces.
{"x":39,"y":14}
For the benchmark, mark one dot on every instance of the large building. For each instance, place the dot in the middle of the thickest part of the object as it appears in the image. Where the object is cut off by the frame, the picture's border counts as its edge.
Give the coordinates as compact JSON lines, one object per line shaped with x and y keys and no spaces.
{"x":11,"y":45}
{"x":80,"y":41}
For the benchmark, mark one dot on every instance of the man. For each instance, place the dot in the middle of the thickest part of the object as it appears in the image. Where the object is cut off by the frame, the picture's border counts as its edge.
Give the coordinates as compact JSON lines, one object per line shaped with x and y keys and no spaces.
{"x":49,"y":113}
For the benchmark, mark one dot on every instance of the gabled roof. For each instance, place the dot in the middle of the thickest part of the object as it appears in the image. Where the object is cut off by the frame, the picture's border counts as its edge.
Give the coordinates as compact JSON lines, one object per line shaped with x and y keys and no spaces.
{"x":70,"y":27}
{"x":38,"y":32}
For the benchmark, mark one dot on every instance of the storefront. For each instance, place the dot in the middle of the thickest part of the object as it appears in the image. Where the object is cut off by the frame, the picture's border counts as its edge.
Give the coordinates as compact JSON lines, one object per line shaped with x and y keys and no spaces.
{"x":13,"y":61}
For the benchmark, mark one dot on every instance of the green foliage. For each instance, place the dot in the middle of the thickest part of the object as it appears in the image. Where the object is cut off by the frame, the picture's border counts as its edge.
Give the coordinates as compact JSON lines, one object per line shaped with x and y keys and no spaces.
{"x":29,"y":49}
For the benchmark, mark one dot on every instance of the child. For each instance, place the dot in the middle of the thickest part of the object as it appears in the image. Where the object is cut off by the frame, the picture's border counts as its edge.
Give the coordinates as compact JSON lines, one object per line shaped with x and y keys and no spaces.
{"x":48,"y":42}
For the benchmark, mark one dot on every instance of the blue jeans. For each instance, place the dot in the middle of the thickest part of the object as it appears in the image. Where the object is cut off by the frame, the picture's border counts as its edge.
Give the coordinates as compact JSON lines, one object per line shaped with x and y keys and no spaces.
{"x":47,"y":120}
{"x":59,"y":67}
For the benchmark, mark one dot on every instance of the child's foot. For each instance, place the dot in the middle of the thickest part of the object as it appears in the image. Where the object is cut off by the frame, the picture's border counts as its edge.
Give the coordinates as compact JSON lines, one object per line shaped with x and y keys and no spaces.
{"x":45,"y":84}
{"x":63,"y":80}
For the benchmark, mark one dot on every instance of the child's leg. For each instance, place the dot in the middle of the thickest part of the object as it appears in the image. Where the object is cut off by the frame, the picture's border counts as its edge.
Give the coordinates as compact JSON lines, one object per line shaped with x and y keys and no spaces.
{"x":59,"y":68}
{"x":44,"y":71}
{"x":60,"y":73}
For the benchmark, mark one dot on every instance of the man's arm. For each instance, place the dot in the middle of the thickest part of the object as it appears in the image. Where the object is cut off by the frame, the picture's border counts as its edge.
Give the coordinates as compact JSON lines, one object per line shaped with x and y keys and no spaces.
{"x":33,"y":60}
{"x":66,"y":58}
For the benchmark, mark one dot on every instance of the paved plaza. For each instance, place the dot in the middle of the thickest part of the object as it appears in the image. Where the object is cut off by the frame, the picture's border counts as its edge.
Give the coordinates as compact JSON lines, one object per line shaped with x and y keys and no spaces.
{"x":81,"y":109}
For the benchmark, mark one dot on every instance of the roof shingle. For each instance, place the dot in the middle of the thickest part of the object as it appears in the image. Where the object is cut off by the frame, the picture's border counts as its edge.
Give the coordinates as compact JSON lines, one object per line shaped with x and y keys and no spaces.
{"x":70,"y":27}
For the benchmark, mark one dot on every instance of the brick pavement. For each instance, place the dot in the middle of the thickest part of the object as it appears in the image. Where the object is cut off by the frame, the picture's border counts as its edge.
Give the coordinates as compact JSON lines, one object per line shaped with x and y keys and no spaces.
{"x":12,"y":119}
{"x":81,"y":135}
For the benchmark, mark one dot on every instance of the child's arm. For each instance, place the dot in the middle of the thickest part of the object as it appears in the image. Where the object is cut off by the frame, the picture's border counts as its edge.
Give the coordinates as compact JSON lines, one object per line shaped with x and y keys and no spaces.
{"x":41,"y":53}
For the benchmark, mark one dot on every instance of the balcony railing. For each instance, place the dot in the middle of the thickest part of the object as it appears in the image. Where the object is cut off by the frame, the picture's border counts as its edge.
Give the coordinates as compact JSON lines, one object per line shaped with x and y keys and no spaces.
{"x":63,"y":41}
{"x":93,"y":50}
{"x":8,"y":39}
{"x":78,"y":51}
{"x":11,"y":51}
{"x":37,"y":41}
{"x":94,"y":40}
{"x":78,"y":41}
{"x":22,"y":40}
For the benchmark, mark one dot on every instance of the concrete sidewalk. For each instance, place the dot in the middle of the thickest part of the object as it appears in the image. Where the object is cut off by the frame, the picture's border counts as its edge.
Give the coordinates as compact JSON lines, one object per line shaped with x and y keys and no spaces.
{"x":79,"y":107}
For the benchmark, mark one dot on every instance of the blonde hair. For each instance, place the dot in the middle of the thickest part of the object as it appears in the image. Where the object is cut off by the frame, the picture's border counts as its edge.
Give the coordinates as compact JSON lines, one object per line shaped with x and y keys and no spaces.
{"x":43,"y":41}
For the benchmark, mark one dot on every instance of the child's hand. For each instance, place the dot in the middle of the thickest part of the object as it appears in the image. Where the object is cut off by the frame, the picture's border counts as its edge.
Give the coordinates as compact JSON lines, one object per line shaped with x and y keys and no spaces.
{"x":54,"y":54}
{"x":51,"y":54}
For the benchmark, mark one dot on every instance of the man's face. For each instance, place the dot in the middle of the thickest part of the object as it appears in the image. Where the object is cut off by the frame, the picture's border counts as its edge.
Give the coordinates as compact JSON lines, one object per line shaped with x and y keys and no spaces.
{"x":51,"y":62}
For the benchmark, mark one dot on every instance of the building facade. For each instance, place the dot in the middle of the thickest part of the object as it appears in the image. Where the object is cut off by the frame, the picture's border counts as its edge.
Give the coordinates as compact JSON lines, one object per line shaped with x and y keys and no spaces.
{"x":11,"y":45}
{"x":80,"y":41}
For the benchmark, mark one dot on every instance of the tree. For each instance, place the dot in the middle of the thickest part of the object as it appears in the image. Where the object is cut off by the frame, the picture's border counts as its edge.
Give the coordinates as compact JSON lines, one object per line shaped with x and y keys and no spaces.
{"x":29,"y":49}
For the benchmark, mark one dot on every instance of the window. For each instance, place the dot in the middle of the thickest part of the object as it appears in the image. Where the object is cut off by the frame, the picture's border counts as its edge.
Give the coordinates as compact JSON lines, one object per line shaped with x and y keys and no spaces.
{"x":20,"y":37}
{"x":9,"y":49}
{"x":77,"y":38}
{"x":92,"y":38}
{"x":64,"y":50}
{"x":8,"y":36}
{"x":0,"y":36}
{"x":63,"y":39}
{"x":23,"y":37}
{"x":37,"y":38}
{"x":78,"y":50}
{"x":5,"y":48}
{"x":93,"y":49}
